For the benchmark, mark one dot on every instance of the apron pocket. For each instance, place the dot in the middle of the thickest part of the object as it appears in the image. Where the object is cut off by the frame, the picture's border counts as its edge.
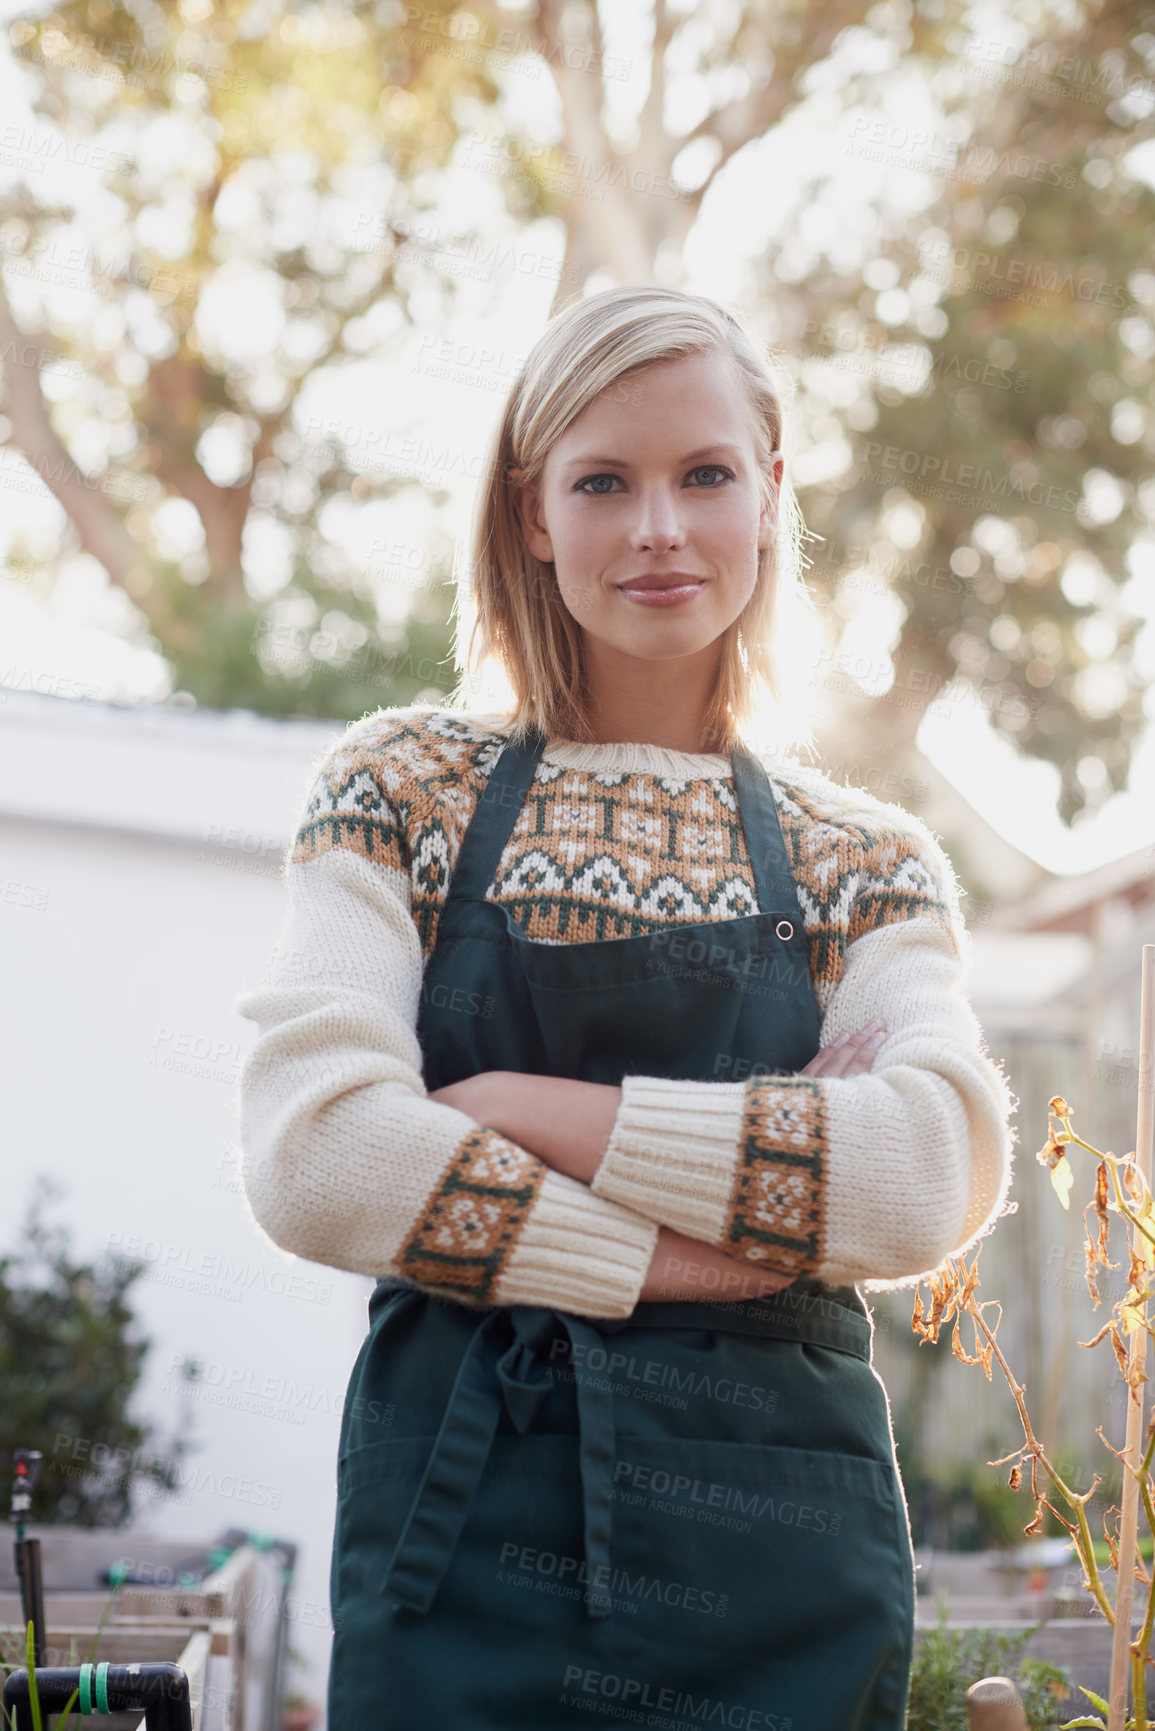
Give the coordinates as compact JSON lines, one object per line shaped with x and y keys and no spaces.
{"x":750,"y":1561}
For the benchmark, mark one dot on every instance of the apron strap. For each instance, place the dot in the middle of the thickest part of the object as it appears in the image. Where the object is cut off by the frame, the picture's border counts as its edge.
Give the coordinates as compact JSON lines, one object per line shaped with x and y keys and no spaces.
{"x":519,"y":1377}
{"x":498,"y":805}
{"x":769,"y":860}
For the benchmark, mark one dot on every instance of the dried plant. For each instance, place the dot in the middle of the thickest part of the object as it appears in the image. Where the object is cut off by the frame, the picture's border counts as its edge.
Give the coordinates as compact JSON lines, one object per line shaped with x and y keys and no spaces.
{"x":1120,"y":1189}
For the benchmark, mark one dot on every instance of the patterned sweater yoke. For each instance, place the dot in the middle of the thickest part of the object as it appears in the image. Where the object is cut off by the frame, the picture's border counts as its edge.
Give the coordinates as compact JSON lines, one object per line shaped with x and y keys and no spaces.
{"x":611,"y":852}
{"x":908,"y":1162}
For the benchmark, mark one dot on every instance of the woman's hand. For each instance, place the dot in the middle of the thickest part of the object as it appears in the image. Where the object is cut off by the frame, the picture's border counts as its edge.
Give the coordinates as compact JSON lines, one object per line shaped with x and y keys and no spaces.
{"x":850,"y":1054}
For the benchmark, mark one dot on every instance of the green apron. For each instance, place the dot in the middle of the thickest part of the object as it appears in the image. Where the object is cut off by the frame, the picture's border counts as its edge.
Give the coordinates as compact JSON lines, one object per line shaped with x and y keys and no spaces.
{"x":691,"y":1516}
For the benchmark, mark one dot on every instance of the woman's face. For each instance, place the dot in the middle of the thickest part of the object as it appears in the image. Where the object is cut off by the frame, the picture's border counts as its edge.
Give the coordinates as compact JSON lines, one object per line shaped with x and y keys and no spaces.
{"x":650,"y":510}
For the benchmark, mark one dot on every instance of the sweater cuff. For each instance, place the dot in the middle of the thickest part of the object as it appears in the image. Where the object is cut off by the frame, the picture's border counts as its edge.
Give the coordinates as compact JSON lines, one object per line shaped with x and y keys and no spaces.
{"x":673,"y":1153}
{"x":578,"y":1252}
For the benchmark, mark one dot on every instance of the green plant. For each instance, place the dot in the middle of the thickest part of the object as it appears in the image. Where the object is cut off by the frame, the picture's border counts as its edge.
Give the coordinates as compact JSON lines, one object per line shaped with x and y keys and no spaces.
{"x":65,"y":1713}
{"x":30,"y":1663}
{"x":947,"y":1661}
{"x":70,"y":1362}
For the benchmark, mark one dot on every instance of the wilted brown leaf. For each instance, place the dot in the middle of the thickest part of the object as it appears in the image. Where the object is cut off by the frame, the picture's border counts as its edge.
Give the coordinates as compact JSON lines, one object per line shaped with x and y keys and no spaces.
{"x":1120,"y":1349}
{"x":1050,"y":1152}
{"x":957,"y":1348}
{"x":1016,"y":1478}
{"x":1101,"y":1198}
{"x":1112,"y":1540}
{"x":1058,"y":1106}
{"x":1062,"y":1178}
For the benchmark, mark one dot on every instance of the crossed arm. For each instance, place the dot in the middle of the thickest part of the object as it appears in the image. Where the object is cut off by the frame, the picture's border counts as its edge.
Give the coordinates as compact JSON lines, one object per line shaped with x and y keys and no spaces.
{"x":568,"y":1125}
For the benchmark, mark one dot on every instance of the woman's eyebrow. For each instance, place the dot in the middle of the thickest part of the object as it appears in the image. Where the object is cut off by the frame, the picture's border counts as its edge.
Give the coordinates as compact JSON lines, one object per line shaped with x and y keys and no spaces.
{"x":617,"y":462}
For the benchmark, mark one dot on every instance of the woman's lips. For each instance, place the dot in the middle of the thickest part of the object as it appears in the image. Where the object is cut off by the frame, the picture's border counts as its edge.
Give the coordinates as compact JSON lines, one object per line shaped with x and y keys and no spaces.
{"x":651,"y":592}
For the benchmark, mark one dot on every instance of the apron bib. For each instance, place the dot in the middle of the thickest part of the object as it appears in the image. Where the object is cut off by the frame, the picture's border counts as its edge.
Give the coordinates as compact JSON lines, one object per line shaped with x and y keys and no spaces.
{"x":689,"y":1516}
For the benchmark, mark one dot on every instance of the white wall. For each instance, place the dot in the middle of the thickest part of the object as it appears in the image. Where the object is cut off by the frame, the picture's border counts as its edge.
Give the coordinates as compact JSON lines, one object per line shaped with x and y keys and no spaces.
{"x":121,"y":949}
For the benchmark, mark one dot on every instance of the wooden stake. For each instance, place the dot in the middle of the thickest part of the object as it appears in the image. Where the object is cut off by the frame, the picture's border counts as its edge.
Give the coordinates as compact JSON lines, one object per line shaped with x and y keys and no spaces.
{"x":1133,"y":1451}
{"x":994,"y":1704}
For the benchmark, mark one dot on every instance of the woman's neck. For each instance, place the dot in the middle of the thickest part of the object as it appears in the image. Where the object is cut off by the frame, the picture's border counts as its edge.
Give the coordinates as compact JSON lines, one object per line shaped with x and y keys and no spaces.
{"x":651,"y":702}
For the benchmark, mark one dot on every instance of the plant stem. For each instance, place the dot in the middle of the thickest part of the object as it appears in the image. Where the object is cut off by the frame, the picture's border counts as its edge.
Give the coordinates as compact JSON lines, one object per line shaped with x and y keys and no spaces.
{"x":1075,"y":1501}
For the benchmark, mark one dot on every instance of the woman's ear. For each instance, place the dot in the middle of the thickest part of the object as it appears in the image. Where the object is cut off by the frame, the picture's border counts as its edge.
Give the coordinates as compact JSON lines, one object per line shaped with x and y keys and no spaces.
{"x":768,"y":515}
{"x":527,"y":506}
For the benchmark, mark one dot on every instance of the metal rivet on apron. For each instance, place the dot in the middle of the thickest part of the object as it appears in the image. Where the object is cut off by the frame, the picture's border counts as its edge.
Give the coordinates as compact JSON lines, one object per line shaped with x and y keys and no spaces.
{"x":786,"y":933}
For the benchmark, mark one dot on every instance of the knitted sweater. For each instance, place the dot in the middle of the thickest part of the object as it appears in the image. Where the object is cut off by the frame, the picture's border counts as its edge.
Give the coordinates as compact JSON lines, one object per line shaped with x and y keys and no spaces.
{"x":346,"y":1161}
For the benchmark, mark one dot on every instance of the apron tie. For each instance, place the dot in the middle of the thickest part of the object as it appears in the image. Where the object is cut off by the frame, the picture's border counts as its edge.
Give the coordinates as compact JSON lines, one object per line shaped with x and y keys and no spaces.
{"x":520,"y":1378}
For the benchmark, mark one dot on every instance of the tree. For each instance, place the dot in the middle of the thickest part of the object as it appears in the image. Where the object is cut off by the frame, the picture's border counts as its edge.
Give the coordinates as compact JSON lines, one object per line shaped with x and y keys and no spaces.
{"x":298,"y":150}
{"x":316,"y":148}
{"x":70,"y":1362}
{"x":999,"y":443}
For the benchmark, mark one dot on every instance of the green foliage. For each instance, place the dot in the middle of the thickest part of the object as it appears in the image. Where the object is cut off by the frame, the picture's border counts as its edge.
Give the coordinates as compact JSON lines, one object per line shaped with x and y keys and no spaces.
{"x":317,"y":122}
{"x":993,"y":371}
{"x":947,"y":1661}
{"x":997,"y":325}
{"x":70,"y":1361}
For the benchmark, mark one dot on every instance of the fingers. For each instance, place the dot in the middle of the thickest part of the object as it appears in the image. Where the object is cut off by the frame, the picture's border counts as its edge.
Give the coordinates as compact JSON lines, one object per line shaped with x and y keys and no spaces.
{"x":852,"y":1054}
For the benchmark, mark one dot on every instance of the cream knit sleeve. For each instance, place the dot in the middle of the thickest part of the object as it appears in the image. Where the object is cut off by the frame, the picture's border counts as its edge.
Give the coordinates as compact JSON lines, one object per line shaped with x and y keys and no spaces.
{"x":345,"y":1159}
{"x":874,"y":1178}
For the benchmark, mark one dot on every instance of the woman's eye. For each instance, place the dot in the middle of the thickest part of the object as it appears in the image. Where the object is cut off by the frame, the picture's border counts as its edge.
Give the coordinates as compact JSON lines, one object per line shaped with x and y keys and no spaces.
{"x":584,"y":485}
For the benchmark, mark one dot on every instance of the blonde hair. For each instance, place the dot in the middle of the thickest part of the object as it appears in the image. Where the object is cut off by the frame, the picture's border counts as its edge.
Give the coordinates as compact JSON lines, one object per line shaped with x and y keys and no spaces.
{"x":521,"y":621}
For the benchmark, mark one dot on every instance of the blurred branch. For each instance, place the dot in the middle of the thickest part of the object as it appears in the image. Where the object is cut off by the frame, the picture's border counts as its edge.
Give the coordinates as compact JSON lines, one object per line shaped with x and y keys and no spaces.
{"x":612,"y":224}
{"x":654,"y":143}
{"x":97,"y":521}
{"x":764,"y":104}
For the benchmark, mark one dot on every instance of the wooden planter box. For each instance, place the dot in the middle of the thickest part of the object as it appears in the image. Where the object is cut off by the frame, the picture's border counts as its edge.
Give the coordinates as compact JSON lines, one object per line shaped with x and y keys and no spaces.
{"x":226,"y":1632}
{"x":203,"y":1649}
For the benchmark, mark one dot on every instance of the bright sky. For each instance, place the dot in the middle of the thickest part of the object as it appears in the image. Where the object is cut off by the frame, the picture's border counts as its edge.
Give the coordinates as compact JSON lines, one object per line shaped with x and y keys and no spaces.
{"x":70,"y":644}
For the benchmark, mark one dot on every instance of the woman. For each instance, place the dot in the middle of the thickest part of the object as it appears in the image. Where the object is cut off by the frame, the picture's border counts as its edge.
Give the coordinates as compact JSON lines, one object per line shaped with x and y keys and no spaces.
{"x":619,"y":1053}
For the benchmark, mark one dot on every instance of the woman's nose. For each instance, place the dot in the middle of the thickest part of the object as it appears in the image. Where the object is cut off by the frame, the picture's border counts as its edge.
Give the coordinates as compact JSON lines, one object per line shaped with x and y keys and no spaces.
{"x":657,"y":527}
